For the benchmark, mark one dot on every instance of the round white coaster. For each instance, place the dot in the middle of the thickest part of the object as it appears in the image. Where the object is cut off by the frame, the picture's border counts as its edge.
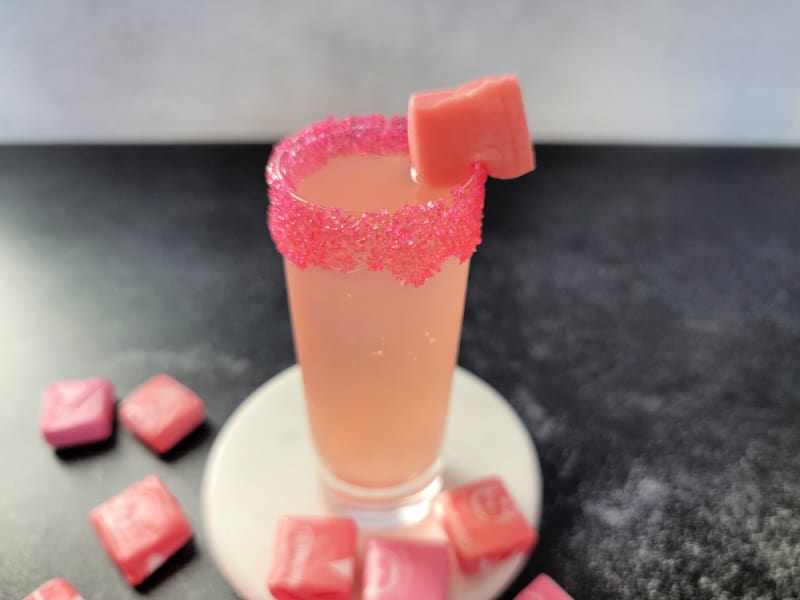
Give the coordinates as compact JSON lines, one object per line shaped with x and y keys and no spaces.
{"x":262,"y":466}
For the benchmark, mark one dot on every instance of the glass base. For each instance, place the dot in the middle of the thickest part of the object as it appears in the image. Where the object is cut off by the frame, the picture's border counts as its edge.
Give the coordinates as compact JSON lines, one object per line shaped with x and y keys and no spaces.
{"x":384,"y":508}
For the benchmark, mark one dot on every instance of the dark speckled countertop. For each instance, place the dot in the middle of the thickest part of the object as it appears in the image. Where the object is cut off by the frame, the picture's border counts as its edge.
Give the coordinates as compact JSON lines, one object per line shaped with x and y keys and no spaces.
{"x":639,"y":307}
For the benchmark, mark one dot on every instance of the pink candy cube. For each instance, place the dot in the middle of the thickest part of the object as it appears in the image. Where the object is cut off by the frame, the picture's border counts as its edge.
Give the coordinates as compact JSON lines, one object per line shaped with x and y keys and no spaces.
{"x":161,"y":412}
{"x":402,"y":569}
{"x":55,"y":589}
{"x":141,"y":527}
{"x":77,"y":412}
{"x":314,"y":558}
{"x":543,"y":588}
{"x":483,"y":524}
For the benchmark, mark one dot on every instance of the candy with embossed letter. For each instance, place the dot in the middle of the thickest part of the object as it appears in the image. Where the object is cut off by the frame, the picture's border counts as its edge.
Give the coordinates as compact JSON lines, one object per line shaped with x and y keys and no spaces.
{"x":141,"y":527}
{"x":314,"y":558}
{"x":161,"y":412}
{"x":55,"y":589}
{"x":399,"y":569}
{"x":543,"y":588}
{"x":483,"y":524}
{"x":77,"y":412}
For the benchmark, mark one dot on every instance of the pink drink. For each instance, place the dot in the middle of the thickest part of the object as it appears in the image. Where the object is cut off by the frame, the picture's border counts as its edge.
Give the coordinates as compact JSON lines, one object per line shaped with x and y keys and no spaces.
{"x":377,"y":363}
{"x":376,"y":271}
{"x":377,"y":356}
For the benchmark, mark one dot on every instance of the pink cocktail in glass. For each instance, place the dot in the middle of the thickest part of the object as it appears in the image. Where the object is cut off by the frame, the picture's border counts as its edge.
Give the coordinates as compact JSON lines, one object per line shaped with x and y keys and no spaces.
{"x":376,"y":271}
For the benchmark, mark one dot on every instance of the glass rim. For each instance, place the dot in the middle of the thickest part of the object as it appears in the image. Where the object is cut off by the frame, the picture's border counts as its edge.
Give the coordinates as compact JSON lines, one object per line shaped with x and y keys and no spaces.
{"x":411,"y":242}
{"x":305,"y":139}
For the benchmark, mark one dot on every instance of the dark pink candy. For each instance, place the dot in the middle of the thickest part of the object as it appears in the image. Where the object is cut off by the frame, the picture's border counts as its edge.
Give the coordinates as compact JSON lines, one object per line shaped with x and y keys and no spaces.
{"x":161,"y":412}
{"x":55,"y":589}
{"x":484,"y":524}
{"x":314,"y":558}
{"x":543,"y":588}
{"x":141,"y":527}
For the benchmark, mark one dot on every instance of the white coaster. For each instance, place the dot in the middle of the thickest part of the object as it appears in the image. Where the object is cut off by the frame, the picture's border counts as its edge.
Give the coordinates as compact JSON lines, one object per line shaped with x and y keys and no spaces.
{"x":262,"y":466}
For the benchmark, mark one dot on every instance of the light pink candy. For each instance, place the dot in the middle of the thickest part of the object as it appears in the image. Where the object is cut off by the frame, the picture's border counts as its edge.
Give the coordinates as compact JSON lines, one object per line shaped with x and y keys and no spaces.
{"x":77,"y":412}
{"x":543,"y":588}
{"x":397,"y":569}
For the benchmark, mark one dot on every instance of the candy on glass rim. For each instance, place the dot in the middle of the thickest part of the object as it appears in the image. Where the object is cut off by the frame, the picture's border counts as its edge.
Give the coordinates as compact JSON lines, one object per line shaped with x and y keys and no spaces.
{"x":481,"y":121}
{"x":483,"y":524}
{"x":55,"y":589}
{"x":141,"y":527}
{"x":396,"y":569}
{"x":161,"y":412}
{"x":77,"y":412}
{"x":543,"y":588}
{"x":314,"y":558}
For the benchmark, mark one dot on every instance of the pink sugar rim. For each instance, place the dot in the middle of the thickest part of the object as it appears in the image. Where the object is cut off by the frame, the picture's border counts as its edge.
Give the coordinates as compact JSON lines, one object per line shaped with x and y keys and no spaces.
{"x":411,"y":243}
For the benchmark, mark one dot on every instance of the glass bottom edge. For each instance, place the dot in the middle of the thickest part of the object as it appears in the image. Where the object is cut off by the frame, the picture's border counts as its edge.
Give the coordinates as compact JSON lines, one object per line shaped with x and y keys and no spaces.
{"x":384,"y":508}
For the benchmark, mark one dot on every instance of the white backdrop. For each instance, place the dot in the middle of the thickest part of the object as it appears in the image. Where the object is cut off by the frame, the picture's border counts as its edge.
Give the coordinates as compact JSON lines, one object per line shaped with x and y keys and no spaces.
{"x":714,"y":71}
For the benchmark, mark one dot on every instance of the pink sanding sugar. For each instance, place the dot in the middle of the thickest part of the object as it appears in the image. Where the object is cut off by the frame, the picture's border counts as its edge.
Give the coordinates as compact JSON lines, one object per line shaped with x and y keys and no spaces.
{"x":412,"y":243}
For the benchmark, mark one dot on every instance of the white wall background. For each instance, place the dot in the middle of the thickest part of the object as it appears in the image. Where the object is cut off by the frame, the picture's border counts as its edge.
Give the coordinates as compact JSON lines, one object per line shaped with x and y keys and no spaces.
{"x":709,"y":71}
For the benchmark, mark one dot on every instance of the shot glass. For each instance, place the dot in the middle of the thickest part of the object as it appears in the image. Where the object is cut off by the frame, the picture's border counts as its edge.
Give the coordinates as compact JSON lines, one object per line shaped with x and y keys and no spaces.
{"x":376,"y":272}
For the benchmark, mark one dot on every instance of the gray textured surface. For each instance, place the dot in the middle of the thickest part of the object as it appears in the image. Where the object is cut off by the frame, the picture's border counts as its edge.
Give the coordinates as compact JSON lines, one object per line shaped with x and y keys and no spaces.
{"x":721,"y":71}
{"x":640,"y":307}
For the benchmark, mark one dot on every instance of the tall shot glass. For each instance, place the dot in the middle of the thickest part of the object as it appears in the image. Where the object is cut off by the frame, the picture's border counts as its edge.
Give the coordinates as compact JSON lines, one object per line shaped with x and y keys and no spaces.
{"x":376,"y":270}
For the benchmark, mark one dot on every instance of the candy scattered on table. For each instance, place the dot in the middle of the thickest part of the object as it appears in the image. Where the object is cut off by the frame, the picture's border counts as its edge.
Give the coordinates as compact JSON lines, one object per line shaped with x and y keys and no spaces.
{"x":480,"y":121}
{"x":397,"y":569}
{"x":543,"y":588}
{"x":77,"y":412}
{"x":55,"y":589}
{"x":483,"y":524}
{"x":141,"y":527}
{"x":161,"y":412}
{"x":315,"y":558}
